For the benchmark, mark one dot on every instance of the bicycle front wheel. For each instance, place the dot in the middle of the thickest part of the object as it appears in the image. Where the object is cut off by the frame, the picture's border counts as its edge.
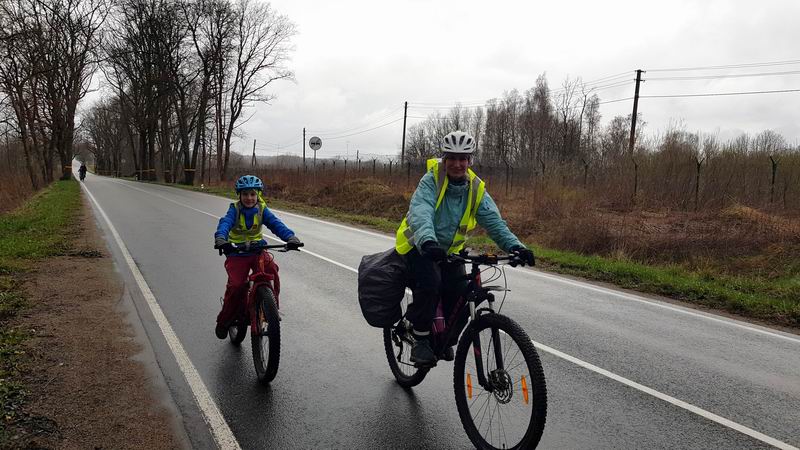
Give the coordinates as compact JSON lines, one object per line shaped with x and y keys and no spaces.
{"x":266,"y":338}
{"x":506,"y":407}
{"x":237,"y":333}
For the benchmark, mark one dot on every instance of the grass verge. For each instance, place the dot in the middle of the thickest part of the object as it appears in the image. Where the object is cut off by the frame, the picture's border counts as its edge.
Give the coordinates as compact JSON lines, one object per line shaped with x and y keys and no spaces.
{"x":775,"y":301}
{"x":38,"y":229}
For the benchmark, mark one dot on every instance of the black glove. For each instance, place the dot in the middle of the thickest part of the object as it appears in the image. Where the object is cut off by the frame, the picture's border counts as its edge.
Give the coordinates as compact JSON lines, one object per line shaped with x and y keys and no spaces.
{"x":432,"y":251}
{"x":219,"y":242}
{"x":293,"y":243}
{"x":223,"y":245}
{"x":525,"y":254}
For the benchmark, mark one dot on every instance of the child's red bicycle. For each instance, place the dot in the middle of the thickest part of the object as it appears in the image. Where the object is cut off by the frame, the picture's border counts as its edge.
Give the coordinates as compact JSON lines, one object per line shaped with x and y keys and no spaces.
{"x":263,"y":306}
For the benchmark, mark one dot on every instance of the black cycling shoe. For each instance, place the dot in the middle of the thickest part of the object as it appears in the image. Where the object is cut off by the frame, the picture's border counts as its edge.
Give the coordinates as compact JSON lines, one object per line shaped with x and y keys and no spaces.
{"x":422,"y":353}
{"x":221,"y":331}
{"x":448,"y":354}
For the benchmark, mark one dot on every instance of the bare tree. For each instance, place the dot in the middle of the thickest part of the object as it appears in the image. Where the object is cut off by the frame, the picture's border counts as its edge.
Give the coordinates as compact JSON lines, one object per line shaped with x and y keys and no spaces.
{"x":262,"y":46}
{"x":69,"y":61}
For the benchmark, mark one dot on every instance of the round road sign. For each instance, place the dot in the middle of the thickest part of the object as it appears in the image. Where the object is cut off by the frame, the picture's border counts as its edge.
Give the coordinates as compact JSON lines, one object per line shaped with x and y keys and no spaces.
{"x":315,"y":143}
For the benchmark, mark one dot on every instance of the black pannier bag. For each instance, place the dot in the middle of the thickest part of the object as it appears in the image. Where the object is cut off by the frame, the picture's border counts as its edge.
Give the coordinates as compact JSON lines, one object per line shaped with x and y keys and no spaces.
{"x":382,"y":281}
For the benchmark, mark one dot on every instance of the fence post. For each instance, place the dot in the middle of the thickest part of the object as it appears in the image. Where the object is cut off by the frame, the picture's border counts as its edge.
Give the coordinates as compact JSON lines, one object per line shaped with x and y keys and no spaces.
{"x":772,"y":184}
{"x":373,"y":167}
{"x":508,"y":177}
{"x":699,"y":163}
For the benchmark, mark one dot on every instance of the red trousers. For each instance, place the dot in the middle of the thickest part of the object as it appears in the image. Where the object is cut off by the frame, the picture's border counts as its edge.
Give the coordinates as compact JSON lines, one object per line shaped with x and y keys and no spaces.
{"x":234,"y":305}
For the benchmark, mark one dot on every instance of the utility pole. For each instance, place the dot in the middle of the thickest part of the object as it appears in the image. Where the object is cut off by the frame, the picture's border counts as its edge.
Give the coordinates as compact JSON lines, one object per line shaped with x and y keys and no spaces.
{"x":403,"y":146}
{"x":304,"y":148}
{"x":635,"y":109}
{"x":253,"y":161}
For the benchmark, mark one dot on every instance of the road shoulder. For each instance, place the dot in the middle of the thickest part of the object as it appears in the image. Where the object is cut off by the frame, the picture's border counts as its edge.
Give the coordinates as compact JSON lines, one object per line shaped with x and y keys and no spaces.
{"x":90,"y":381}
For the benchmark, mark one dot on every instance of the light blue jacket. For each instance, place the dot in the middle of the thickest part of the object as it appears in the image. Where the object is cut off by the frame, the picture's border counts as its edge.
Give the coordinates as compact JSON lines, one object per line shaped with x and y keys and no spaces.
{"x":440,"y":225}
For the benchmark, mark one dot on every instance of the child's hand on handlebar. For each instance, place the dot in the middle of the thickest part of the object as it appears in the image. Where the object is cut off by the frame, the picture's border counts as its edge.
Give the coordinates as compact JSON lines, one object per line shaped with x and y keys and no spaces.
{"x":293,"y":243}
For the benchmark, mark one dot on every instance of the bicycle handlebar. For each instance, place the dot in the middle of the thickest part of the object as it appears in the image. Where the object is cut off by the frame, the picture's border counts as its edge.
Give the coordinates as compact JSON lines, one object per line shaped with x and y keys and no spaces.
{"x":259,"y":245}
{"x":487,"y":259}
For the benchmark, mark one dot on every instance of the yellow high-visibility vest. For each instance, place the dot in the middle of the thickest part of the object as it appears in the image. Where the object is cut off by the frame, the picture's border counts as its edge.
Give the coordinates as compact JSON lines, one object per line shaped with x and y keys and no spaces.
{"x":239,"y":233}
{"x":404,"y":241}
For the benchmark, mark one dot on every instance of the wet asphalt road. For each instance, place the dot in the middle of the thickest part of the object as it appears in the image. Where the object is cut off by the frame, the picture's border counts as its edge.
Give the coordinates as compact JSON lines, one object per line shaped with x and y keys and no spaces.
{"x":334,"y":388}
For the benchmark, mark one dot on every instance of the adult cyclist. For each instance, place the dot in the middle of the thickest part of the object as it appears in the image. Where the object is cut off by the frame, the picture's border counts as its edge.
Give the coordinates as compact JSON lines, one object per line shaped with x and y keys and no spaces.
{"x":448,"y":202}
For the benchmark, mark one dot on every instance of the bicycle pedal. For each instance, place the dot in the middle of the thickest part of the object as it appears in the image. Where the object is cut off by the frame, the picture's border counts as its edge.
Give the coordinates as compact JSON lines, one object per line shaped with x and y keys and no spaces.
{"x":425,"y":365}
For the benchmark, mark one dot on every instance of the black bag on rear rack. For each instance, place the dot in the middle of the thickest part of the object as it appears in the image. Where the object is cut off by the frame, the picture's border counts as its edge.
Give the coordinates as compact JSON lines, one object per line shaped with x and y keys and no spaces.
{"x":382,"y":281}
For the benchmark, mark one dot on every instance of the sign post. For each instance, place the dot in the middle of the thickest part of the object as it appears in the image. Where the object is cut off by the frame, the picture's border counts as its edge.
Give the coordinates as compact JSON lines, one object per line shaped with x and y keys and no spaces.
{"x":315,"y":143}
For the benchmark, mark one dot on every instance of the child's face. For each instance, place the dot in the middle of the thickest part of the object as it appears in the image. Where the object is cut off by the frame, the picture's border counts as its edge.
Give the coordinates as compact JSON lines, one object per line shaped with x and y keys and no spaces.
{"x":249,"y":197}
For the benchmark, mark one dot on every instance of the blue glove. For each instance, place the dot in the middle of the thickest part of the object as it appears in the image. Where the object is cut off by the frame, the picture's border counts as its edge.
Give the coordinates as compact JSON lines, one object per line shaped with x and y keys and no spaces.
{"x":432,"y":251}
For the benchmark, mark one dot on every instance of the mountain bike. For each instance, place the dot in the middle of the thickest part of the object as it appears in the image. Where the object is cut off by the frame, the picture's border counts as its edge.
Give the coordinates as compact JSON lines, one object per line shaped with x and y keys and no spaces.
{"x":499,"y":384}
{"x":263,"y":308}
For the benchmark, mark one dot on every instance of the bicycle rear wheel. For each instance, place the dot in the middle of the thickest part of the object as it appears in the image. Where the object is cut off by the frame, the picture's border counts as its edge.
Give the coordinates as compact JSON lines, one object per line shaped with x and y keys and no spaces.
{"x":266,"y":339}
{"x":398,"y":343}
{"x":509,"y":410}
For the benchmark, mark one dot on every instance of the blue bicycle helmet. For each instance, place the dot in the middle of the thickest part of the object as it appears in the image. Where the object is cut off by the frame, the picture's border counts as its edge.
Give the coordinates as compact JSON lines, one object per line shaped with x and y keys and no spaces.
{"x":246,"y":182}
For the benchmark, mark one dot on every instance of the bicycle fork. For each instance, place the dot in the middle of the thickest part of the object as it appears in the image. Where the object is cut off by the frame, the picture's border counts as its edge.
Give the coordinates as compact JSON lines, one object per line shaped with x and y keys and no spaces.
{"x":485,"y":382}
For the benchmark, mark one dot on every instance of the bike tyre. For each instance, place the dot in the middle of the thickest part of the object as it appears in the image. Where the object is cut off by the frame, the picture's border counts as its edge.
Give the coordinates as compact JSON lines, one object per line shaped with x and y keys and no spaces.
{"x":237,"y":333}
{"x":266,"y":368}
{"x":538,"y":385}
{"x":404,"y":380}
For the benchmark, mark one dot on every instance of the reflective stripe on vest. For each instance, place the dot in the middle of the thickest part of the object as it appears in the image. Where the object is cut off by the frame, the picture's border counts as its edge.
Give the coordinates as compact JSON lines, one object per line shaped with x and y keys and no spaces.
{"x":404,"y":238}
{"x":239,"y":232}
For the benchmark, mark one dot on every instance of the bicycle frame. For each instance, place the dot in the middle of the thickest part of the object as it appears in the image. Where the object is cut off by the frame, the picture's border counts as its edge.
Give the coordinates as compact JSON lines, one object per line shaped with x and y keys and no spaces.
{"x":474,"y":295}
{"x":265,"y":273}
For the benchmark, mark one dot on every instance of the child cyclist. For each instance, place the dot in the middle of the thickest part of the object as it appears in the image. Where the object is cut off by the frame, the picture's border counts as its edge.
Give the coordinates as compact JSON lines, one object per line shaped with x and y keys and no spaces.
{"x":242,"y":224}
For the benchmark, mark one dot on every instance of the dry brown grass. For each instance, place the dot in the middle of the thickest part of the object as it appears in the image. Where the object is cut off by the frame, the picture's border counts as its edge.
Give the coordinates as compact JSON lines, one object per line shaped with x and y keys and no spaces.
{"x":734,"y":240}
{"x":15,"y":188}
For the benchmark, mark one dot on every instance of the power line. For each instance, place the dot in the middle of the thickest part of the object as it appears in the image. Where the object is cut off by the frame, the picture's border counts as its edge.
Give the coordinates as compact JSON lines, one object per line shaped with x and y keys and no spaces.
{"x":609,"y":86}
{"x":729,"y":66}
{"x":735,"y":75}
{"x":553,"y":92}
{"x":280,"y":147}
{"x":365,"y":131}
{"x":618,"y":100}
{"x":347,"y":130}
{"x":716,"y":94}
{"x":457,"y":102}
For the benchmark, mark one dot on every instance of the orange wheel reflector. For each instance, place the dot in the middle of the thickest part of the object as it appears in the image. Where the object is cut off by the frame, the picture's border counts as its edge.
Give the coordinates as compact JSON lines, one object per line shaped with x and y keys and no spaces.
{"x":524,"y":390}
{"x":469,"y":387}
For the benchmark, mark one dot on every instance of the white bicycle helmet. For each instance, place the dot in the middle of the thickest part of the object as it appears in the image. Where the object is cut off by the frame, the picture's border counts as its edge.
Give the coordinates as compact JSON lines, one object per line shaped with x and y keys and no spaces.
{"x":458,"y":142}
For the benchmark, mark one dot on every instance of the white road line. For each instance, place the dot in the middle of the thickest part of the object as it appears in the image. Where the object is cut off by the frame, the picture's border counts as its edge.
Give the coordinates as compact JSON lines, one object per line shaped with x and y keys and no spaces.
{"x":654,"y":303}
{"x":219,"y":428}
{"x":338,"y":225}
{"x":661,"y":396}
{"x":669,"y":399}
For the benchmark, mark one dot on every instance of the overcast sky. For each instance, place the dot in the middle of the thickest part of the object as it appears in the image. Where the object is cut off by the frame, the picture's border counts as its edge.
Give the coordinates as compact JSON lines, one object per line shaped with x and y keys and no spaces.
{"x":357,"y":61}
